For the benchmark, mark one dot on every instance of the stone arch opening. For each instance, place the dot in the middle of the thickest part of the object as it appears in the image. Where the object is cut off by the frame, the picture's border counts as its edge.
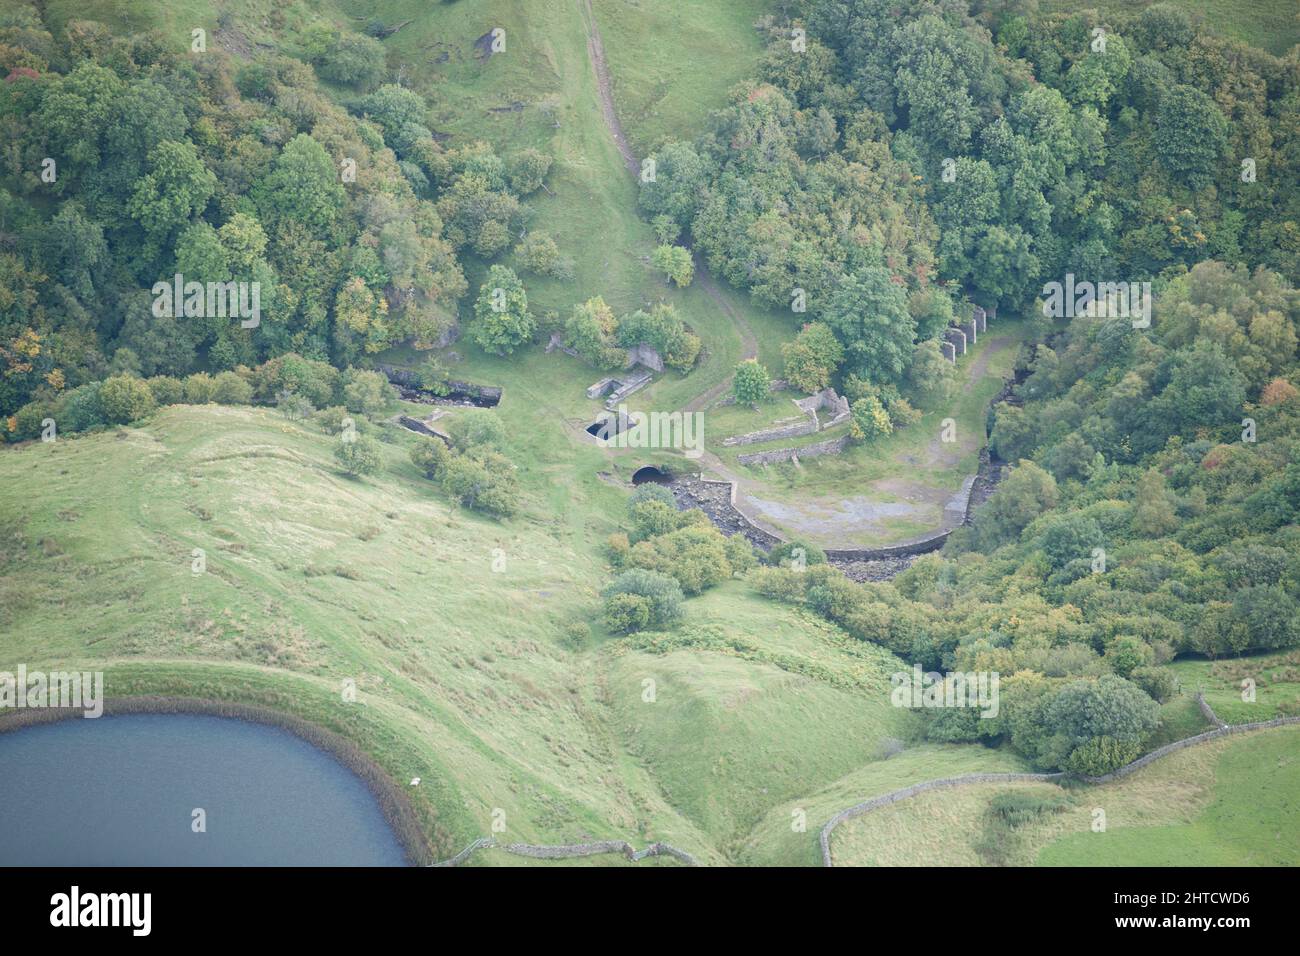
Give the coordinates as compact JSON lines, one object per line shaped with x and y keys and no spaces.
{"x":651,"y":475}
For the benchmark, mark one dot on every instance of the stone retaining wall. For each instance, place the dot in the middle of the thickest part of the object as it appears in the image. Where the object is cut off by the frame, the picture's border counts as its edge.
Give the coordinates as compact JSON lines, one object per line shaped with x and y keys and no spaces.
{"x":806,"y":426}
{"x":832,"y":446}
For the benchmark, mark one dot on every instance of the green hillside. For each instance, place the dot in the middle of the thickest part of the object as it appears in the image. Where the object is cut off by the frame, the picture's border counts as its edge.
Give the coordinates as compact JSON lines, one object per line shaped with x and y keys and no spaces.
{"x":1227,"y":803}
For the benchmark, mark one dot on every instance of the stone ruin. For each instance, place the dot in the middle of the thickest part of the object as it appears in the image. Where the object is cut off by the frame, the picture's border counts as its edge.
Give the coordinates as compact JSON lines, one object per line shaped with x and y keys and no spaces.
{"x":956,"y":338}
{"x":642,"y":361}
{"x":645,"y":356}
{"x":615,"y":389}
{"x":836,"y":405}
{"x":959,"y":336}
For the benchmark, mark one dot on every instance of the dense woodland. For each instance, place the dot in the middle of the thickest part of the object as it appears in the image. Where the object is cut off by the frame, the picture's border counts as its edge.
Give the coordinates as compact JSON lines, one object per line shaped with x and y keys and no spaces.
{"x":891,"y":163}
{"x":1153,"y":510}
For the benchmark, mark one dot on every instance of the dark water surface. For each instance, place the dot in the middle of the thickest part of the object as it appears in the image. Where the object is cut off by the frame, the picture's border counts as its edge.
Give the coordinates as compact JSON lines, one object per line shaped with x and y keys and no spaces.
{"x":122,"y":790}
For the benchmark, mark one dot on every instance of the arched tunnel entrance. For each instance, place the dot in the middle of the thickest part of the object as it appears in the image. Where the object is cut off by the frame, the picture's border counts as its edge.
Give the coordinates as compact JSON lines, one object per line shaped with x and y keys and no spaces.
{"x":651,"y":475}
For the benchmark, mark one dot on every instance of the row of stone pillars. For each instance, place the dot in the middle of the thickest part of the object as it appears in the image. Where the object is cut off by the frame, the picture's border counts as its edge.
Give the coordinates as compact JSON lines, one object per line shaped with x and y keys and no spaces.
{"x":959,"y":337}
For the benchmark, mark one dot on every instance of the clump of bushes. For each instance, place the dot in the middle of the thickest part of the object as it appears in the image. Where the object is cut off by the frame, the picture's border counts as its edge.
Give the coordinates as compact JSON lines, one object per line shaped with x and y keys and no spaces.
{"x":639,"y":599}
{"x":295,"y":385}
{"x":474,"y":472}
{"x":681,"y":545}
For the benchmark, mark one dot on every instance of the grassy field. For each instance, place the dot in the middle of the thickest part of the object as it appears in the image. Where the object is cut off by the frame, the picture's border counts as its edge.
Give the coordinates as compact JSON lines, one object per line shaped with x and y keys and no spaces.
{"x":674,"y":61}
{"x":1273,"y":25}
{"x":498,"y":689}
{"x":1276,"y":678}
{"x":1231,"y":802}
{"x":1246,"y":812}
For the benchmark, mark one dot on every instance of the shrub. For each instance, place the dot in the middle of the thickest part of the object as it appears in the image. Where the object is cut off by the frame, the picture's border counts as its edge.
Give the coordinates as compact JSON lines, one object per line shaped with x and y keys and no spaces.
{"x":316,"y":381}
{"x":125,"y":398}
{"x":367,"y":393}
{"x":740,"y":554}
{"x":662,"y":329}
{"x":590,"y":331}
{"x":333,"y":419}
{"x":1160,"y":683}
{"x":429,"y":455}
{"x":625,"y":613}
{"x":1109,"y":708}
{"x":354,"y":60}
{"x":787,"y":552}
{"x":79,"y":410}
{"x":617,"y":547}
{"x":293,"y":406}
{"x":650,"y":492}
{"x":812,"y":358}
{"x":502,"y":320}
{"x":660,"y":594}
{"x":482,"y":480}
{"x":902,"y":414}
{"x":779,"y":584}
{"x":483,"y":429}
{"x":675,"y":262}
{"x":653,"y":517}
{"x":358,"y":455}
{"x":166,"y":390}
{"x":869,"y":419}
{"x":539,"y":254}
{"x":1126,"y":653}
{"x":695,"y":555}
{"x":26,"y":423}
{"x":199,"y":389}
{"x":527,"y":170}
{"x":1101,"y":755}
{"x":229,"y":388}
{"x":750,"y":385}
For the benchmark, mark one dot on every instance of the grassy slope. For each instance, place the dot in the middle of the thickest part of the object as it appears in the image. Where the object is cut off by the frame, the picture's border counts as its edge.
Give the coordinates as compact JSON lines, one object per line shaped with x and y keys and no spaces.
{"x":1276,"y":677}
{"x":1250,"y":816}
{"x":674,"y":61}
{"x":591,"y":209}
{"x":1273,"y":25}
{"x":464,"y":679}
{"x":1230,"y":803}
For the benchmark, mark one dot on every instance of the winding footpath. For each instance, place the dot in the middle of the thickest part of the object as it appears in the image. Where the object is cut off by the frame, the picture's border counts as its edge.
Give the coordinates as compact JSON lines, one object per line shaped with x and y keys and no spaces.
{"x":704,"y":278}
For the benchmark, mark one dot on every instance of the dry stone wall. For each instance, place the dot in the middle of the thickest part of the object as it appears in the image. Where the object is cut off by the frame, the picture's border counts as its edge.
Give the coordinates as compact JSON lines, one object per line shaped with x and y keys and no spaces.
{"x":895,"y":796}
{"x":832,"y":446}
{"x":569,"y":851}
